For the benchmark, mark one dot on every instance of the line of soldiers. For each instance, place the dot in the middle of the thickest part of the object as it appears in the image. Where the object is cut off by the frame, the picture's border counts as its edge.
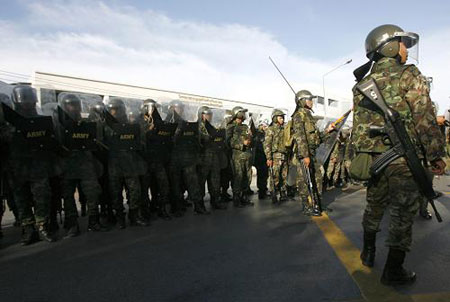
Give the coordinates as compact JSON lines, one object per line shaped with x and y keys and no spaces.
{"x":100,"y":151}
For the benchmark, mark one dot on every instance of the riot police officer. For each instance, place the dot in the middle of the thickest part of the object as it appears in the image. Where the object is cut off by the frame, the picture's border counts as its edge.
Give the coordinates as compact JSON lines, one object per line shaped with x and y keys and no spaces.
{"x":30,"y":170}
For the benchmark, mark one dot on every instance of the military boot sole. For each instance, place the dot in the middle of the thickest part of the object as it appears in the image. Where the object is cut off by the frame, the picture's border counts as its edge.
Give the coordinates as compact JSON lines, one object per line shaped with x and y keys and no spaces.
{"x":394,"y":282}
{"x":47,"y":237}
{"x":367,"y":260}
{"x":426,"y":215}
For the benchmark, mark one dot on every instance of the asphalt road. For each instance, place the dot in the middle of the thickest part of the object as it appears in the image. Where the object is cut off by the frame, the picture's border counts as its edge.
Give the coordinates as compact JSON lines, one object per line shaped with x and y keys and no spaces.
{"x":264,"y":253}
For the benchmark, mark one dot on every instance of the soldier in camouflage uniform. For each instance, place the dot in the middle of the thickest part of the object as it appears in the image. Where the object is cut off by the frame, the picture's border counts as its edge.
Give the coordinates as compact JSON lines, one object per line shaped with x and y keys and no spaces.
{"x":406,"y":91}
{"x":29,"y":173}
{"x":226,"y":174}
{"x":260,"y":163}
{"x":124,"y":169}
{"x":157,"y":155}
{"x":336,"y":163}
{"x":306,"y":139}
{"x":80,"y":169}
{"x":184,"y":161}
{"x":210,"y":159}
{"x":277,"y":156}
{"x":239,"y":139}
{"x":4,"y":190}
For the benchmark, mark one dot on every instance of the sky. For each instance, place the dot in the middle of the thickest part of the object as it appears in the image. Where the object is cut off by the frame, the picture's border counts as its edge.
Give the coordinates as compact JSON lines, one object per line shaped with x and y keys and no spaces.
{"x":217,"y":48}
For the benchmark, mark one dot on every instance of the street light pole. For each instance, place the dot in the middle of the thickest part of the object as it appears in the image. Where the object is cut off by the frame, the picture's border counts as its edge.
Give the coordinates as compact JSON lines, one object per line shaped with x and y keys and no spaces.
{"x":325,"y":102}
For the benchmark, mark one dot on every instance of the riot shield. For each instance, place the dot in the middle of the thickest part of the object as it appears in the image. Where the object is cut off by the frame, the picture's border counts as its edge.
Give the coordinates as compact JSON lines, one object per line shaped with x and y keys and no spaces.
{"x":36,"y":133}
{"x":181,"y":111}
{"x":126,"y":136}
{"x":324,"y":150}
{"x":163,"y":133}
{"x":4,"y":99}
{"x":215,"y":126}
{"x":79,"y":132}
{"x":186,"y":116}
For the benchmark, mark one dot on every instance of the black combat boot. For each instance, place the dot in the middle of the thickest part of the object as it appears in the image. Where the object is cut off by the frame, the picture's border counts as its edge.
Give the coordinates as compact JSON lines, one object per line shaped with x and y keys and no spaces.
{"x":225,"y":196}
{"x":29,"y":235}
{"x":120,"y":220}
{"x":199,"y":208}
{"x":217,"y":205}
{"x":136,"y":219}
{"x":176,"y":209}
{"x":45,"y":234}
{"x":262,"y":194}
{"x":394,"y":273}
{"x":162,"y":213}
{"x":94,"y":224}
{"x":83,"y":209}
{"x":368,"y":252}
{"x":274,"y":197}
{"x":424,"y":211}
{"x":73,"y":229}
{"x":306,"y":208}
{"x":283,"y":196}
{"x":316,"y":211}
{"x":237,"y":201}
{"x":245,"y":200}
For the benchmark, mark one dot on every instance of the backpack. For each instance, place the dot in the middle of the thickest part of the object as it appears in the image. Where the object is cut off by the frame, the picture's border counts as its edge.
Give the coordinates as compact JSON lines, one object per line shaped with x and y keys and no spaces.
{"x":288,"y":136}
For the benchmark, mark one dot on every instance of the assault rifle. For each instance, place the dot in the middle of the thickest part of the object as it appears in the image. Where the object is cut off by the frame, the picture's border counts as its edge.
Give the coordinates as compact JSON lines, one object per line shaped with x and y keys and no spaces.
{"x":310,"y":175}
{"x":402,"y":145}
{"x":309,"y":172}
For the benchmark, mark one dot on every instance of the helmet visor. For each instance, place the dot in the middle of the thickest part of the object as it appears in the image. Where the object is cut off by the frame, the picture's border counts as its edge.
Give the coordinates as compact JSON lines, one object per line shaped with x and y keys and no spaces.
{"x":411,"y":41}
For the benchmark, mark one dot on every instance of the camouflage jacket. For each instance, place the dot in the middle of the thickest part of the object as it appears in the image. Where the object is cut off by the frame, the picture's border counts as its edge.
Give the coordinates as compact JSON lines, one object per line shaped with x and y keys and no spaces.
{"x":237,"y":134}
{"x":406,"y":91}
{"x":306,"y":135}
{"x":274,"y":141}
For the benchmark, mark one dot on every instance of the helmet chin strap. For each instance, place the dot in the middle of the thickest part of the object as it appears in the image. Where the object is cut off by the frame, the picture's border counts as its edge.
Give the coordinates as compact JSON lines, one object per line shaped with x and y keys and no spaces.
{"x":362,"y":70}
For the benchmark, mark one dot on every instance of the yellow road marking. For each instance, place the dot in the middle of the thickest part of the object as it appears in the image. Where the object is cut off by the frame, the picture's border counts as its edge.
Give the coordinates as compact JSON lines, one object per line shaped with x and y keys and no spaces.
{"x":368,"y":280}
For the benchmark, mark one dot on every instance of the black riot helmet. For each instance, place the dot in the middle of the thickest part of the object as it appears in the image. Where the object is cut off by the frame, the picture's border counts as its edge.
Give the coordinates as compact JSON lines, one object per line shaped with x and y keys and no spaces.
{"x":25,"y":100}
{"x":205,"y":110}
{"x":175,"y":111}
{"x":148,"y":106}
{"x":24,"y":94}
{"x":177,"y":106}
{"x":71,"y":104}
{"x":96,"y":111}
{"x":116,"y":107}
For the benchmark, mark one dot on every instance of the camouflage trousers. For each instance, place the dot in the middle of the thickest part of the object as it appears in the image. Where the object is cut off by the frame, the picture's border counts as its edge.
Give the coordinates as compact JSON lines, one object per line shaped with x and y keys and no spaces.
{"x":184,"y":176}
{"x":394,"y":188}
{"x":209,"y":172}
{"x":29,"y":194}
{"x":132,"y":185}
{"x":335,"y":167}
{"x":302,"y":184}
{"x":158,"y":180}
{"x":242,"y":171}
{"x":226,"y":177}
{"x":90,"y":188}
{"x":278,"y":176}
{"x":262,"y":173}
